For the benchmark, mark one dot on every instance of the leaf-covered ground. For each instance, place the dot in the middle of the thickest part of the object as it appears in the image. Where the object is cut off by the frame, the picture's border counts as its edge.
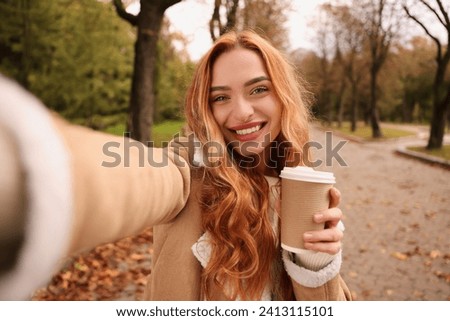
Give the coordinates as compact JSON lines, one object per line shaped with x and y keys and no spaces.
{"x":115,"y":271}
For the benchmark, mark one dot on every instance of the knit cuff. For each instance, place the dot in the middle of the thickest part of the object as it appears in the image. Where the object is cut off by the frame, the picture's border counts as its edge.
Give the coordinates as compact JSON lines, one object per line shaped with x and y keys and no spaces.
{"x":309,"y":278}
{"x":313,"y":260}
{"x":46,"y":164}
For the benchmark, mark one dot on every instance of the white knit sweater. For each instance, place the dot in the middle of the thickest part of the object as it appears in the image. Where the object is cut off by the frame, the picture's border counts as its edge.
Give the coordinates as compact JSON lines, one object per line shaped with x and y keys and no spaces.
{"x":308,"y":268}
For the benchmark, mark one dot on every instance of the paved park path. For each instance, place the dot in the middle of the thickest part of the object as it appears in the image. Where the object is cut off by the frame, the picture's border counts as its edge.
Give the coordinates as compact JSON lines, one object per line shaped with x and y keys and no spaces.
{"x":396,"y":244}
{"x":397,"y":218}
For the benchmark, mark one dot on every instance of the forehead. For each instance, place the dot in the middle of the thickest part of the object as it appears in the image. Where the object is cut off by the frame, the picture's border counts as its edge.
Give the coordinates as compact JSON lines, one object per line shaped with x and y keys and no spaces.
{"x":237,"y":64}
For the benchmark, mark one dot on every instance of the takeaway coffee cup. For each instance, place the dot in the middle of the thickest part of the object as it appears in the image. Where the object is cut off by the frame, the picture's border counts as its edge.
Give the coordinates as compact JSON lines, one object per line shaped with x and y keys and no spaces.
{"x":304,"y":192}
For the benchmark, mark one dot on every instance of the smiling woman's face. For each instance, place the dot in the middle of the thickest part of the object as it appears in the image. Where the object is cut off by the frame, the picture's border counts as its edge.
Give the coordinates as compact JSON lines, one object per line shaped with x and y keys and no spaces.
{"x":243,"y":101}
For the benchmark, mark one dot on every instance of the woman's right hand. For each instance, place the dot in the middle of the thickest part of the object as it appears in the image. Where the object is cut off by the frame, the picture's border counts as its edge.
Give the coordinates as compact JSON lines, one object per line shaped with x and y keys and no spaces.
{"x":329,"y":239}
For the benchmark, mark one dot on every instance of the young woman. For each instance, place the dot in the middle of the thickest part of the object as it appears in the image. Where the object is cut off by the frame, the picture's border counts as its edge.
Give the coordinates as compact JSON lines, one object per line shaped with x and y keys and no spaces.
{"x":245,"y":96}
{"x":214,"y":210}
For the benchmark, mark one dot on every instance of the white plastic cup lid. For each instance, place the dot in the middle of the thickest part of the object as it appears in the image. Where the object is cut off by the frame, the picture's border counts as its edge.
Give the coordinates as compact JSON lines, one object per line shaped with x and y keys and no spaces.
{"x":307,"y":174}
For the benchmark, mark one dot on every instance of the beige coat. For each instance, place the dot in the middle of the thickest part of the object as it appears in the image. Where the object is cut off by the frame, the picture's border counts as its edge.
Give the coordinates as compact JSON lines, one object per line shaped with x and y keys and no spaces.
{"x":176,"y":272}
{"x":62,"y":199}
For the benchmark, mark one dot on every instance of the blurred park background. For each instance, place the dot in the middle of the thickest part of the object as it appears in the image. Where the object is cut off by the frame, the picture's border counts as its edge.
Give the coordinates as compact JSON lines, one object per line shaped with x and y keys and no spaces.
{"x":376,"y":72}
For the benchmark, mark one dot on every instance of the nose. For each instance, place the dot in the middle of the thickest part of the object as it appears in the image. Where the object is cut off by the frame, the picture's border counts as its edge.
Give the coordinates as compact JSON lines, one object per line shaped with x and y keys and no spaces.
{"x":243,"y":110}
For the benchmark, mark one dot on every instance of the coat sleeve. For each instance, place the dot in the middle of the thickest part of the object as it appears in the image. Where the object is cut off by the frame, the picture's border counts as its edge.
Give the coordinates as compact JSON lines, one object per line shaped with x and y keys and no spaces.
{"x":70,"y":188}
{"x":120,"y":186}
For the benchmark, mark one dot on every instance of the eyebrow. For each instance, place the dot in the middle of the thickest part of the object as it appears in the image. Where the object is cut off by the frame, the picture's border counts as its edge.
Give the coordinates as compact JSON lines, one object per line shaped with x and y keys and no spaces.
{"x":247,"y":83}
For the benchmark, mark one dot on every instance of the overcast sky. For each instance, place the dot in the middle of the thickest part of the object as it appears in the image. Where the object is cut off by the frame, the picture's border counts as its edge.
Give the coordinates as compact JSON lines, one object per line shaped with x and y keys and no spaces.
{"x":191,"y":17}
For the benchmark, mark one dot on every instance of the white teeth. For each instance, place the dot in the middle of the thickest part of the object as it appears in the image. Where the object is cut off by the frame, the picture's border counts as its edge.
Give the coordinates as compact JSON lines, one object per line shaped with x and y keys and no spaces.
{"x":248,"y":130}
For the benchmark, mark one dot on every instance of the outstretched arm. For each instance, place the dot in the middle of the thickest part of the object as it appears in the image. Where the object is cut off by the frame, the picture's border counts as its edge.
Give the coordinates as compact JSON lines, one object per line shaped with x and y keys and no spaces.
{"x":65,"y":188}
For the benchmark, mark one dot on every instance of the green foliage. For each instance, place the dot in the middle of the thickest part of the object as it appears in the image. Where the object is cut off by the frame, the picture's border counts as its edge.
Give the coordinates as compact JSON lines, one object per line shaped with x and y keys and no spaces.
{"x":28,"y":33}
{"x":162,"y":133}
{"x":97,"y":55}
{"x":409,"y":79}
{"x":101,"y":122}
{"x":75,"y":55}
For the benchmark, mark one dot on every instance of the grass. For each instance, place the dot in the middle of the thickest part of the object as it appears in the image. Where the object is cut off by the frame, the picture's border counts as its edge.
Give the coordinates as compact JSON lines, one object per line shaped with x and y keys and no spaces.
{"x":365,"y":132}
{"x":444,"y":152}
{"x":165,"y":131}
{"x":117,"y":129}
{"x":162,"y":132}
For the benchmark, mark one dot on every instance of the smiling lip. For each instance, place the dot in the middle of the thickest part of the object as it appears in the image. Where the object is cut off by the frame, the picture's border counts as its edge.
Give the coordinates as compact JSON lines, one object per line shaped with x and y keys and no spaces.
{"x":248,"y":131}
{"x":247,"y":126}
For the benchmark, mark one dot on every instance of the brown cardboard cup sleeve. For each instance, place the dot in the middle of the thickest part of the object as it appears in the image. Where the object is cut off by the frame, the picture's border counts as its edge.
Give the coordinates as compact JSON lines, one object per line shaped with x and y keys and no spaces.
{"x":304,"y":192}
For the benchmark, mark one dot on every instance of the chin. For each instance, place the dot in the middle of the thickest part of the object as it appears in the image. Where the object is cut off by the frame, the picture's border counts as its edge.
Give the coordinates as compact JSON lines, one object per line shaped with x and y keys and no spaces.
{"x":250,"y":153}
{"x":247,"y":150}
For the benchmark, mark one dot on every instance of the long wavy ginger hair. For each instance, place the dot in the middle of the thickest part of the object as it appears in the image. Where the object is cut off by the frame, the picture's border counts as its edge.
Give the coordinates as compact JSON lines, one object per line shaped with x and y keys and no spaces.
{"x":235,"y":200}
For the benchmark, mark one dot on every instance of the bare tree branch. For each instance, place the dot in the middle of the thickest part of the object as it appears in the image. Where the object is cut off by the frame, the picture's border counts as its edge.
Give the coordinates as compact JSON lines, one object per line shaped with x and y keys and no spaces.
{"x":433,"y":10}
{"x":444,"y":13}
{"x":436,"y":40}
{"x":231,"y":15}
{"x":441,"y":90}
{"x":216,"y":27}
{"x":215,"y":23}
{"x":121,"y":12}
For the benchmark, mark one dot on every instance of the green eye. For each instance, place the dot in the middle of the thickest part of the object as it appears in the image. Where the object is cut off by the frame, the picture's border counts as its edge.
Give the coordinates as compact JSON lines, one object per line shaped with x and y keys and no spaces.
{"x":219,"y":98}
{"x":259,"y":90}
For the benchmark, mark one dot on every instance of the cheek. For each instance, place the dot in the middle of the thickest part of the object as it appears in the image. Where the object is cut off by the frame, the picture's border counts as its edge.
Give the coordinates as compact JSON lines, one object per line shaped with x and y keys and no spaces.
{"x":219,"y":116}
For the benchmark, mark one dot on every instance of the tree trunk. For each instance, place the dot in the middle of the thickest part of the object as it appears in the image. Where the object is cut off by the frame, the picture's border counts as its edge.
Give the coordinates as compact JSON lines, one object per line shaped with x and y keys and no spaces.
{"x":331,"y":110}
{"x":407,"y":108}
{"x":440,"y":110}
{"x":441,"y":92}
{"x":374,"y":117}
{"x":353,"y":109}
{"x":441,"y":102}
{"x":448,"y":117}
{"x":340,"y":105}
{"x":437,"y":127}
{"x":142,"y":100}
